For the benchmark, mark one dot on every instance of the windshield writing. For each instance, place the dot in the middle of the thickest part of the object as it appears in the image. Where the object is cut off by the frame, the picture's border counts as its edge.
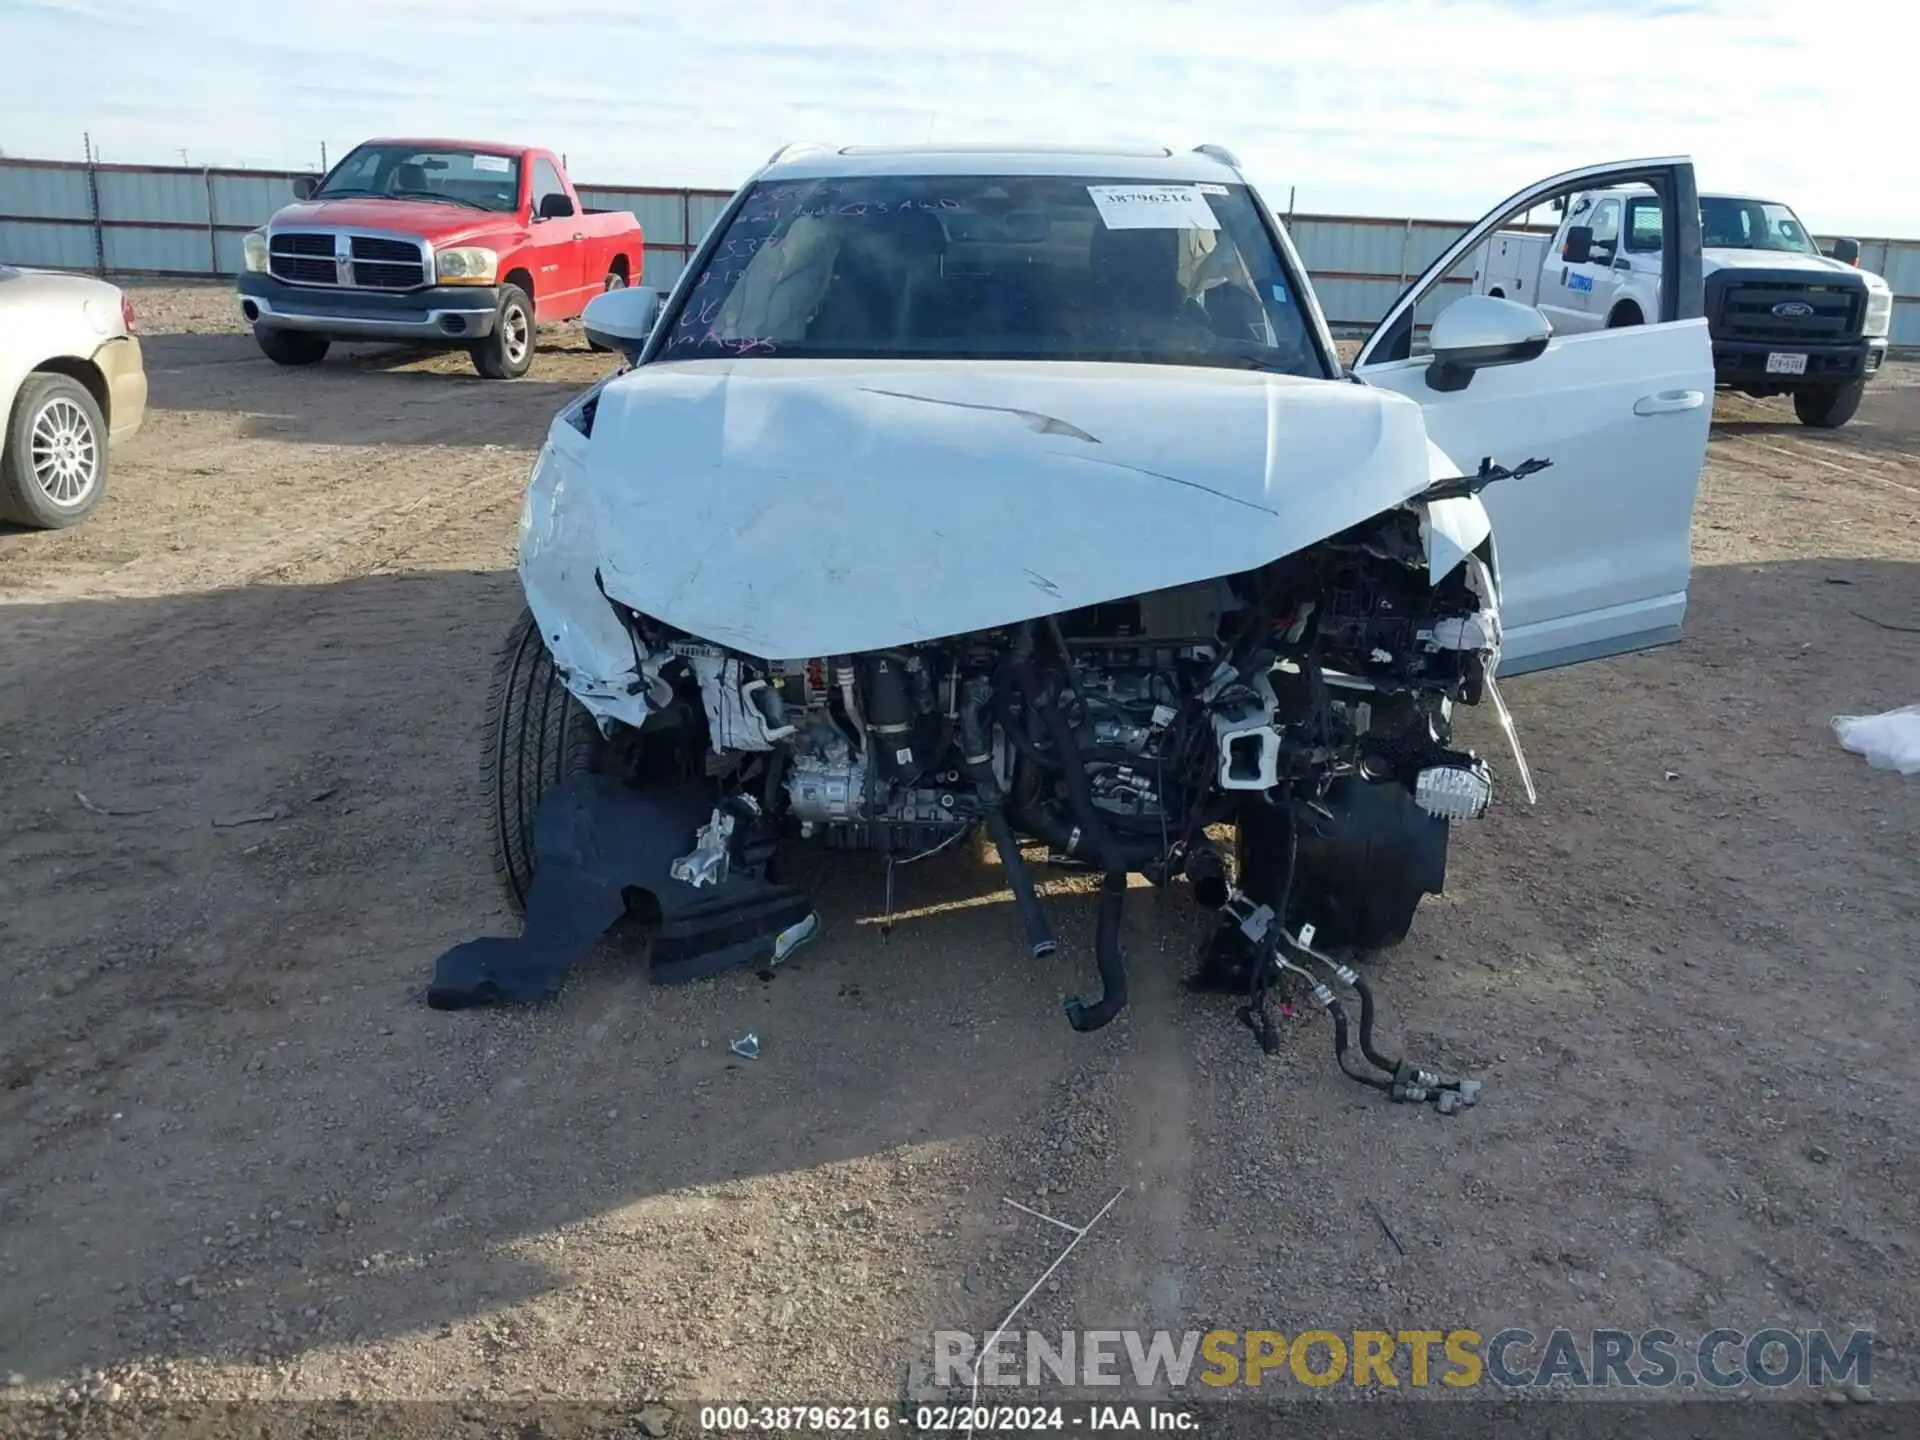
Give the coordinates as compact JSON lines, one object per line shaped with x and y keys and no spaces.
{"x":997,"y":267}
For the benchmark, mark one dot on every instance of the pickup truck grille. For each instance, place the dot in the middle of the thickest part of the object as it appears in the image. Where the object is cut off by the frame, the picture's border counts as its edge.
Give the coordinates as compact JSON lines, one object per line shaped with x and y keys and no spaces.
{"x":374,"y":262}
{"x":1751,"y":311}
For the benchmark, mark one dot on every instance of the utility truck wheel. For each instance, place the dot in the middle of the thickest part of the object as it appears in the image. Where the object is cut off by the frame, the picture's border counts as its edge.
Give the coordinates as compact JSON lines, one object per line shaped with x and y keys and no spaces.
{"x":1828,"y":407}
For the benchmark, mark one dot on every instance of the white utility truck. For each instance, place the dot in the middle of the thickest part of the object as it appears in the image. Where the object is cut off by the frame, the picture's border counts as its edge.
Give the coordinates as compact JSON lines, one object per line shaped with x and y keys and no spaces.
{"x":1785,"y":319}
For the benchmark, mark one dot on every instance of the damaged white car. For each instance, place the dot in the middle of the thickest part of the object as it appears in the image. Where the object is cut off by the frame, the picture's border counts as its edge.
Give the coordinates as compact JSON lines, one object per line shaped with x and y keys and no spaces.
{"x":1024,"y":491}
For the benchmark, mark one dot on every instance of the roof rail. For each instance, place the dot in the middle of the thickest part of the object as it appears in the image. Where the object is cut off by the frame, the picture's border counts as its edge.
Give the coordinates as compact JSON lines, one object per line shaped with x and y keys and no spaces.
{"x":795,"y":146}
{"x":1220,"y":153}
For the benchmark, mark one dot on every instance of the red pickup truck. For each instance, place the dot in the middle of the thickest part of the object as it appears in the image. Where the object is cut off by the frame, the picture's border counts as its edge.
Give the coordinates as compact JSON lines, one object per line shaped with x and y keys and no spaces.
{"x":448,"y":243}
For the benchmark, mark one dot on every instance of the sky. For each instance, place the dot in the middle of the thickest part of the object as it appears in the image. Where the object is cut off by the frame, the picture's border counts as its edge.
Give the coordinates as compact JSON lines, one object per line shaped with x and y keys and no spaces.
{"x":1428,"y":109}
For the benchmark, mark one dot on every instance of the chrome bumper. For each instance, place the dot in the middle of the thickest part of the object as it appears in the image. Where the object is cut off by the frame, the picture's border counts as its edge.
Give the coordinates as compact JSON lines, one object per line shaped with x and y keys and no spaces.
{"x":439,"y":326}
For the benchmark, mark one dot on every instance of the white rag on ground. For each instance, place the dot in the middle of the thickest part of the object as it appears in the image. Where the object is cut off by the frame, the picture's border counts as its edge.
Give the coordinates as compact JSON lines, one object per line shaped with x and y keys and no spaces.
{"x":1890,"y":741}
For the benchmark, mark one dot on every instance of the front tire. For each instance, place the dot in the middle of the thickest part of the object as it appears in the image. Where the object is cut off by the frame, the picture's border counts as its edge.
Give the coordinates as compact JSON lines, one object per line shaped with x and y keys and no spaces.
{"x":1828,"y":407}
{"x":290,"y":347}
{"x":53,"y":454}
{"x":507,"y":352}
{"x":615,"y":281}
{"x":538,"y":736}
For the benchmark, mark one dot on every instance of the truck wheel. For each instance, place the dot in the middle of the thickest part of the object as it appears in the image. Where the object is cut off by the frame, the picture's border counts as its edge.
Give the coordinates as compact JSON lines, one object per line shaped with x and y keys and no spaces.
{"x":1623,"y":316}
{"x":507,"y":353}
{"x":290,"y":347}
{"x":1828,"y":407}
{"x":615,"y":281}
{"x":538,"y":736}
{"x":53,"y":454}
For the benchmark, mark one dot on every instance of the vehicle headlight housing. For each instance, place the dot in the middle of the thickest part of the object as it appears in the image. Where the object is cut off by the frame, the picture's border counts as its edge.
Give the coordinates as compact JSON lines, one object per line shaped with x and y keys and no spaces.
{"x":1879,"y":311}
{"x":253,"y":250}
{"x":465,"y":265}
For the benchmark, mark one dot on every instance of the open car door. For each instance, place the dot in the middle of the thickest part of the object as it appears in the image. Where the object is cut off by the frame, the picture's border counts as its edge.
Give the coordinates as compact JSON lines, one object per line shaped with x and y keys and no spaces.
{"x":1593,"y":553}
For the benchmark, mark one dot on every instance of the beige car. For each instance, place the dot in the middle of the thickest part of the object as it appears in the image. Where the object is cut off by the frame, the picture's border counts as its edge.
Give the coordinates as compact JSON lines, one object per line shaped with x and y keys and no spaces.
{"x":71,"y":384}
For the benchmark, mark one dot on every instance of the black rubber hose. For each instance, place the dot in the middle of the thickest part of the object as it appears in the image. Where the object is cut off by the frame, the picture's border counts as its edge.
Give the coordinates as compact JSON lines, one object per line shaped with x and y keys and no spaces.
{"x":1032,"y":917}
{"x":1339,"y":1014}
{"x":1365,"y":992}
{"x":1015,"y":731}
{"x":1067,"y":756}
{"x":1106,"y":955}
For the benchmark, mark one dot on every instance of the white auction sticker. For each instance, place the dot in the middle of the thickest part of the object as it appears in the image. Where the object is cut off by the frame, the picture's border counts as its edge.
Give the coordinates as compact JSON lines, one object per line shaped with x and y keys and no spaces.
{"x":1152,"y":207}
{"x":493,"y":164}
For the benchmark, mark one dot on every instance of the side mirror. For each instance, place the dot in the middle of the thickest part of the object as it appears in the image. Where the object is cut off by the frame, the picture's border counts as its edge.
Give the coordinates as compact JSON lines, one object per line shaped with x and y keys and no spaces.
{"x":1578,"y":249}
{"x":304,"y":186}
{"x":555,"y":207}
{"x":1847,"y":252}
{"x":622,"y":319}
{"x":1478,"y":331}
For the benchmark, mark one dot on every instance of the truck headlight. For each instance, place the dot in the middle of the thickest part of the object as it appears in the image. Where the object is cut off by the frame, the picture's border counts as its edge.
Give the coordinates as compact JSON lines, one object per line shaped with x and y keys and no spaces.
{"x":1879,"y":312}
{"x":253,"y":249}
{"x":465,"y":265}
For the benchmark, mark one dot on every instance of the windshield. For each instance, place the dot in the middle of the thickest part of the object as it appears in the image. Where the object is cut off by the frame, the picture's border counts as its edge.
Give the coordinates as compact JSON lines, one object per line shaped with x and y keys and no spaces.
{"x":1752,"y":225}
{"x":473,"y":179}
{"x":1017,"y":267}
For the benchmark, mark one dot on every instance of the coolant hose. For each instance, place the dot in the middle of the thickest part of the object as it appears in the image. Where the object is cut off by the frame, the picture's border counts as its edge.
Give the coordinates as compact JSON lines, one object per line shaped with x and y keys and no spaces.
{"x":1365,"y":992}
{"x":1339,"y":1014}
{"x":1106,"y":955}
{"x":1032,"y":917}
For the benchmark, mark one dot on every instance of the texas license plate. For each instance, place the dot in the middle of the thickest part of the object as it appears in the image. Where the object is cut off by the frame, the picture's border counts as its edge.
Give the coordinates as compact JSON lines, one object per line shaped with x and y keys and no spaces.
{"x":1781,"y":363}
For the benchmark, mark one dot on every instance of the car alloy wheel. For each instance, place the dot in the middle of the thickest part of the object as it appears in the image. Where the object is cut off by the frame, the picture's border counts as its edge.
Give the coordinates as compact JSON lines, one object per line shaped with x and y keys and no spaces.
{"x":64,"y":453}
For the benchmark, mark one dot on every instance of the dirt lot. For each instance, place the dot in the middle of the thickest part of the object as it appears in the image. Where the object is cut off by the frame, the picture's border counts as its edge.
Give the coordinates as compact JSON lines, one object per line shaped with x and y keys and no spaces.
{"x":239,"y":744}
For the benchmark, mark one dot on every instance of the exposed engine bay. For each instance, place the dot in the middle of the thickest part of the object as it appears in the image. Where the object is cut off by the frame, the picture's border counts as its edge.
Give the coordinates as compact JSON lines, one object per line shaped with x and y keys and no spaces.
{"x":1308,"y":704}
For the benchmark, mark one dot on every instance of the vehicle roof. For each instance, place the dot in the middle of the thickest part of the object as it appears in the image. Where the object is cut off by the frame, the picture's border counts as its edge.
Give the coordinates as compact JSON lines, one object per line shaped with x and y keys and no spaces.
{"x":815,"y":162}
{"x":444,"y":143}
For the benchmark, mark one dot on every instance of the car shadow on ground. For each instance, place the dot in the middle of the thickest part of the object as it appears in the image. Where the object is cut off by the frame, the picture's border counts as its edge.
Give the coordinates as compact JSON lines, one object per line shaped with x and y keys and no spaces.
{"x":225,"y":1107}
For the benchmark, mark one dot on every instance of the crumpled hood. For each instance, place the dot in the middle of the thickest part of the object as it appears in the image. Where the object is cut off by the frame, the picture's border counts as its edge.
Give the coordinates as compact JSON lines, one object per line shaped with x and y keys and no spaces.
{"x":1716,"y":258}
{"x":798,"y":508}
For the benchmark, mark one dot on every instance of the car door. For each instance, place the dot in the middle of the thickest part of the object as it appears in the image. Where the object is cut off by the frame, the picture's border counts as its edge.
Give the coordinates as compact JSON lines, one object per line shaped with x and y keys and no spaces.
{"x":1593,"y":282}
{"x":1593,"y":553}
{"x":557,"y":246}
{"x":1557,"y":298}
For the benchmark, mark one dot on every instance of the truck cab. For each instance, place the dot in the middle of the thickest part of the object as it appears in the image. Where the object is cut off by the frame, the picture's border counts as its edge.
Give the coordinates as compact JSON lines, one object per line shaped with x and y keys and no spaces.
{"x":1785,"y":319}
{"x":448,"y":243}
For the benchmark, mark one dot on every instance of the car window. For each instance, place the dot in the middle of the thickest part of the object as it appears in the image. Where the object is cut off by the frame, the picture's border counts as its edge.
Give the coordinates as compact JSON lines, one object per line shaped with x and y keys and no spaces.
{"x":1031,"y":267}
{"x":1644,"y":223}
{"x":1731,"y":224}
{"x":1606,"y":225}
{"x":476,"y":179}
{"x":546,"y":181}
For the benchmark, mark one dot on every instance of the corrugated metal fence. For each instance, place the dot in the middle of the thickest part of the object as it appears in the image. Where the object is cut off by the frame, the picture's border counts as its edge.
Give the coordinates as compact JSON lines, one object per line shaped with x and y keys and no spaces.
{"x":143,"y":220}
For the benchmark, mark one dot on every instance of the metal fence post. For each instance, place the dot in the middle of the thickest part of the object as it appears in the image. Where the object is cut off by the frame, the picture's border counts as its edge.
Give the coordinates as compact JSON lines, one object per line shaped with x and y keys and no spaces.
{"x":213,"y":230}
{"x":93,"y":206}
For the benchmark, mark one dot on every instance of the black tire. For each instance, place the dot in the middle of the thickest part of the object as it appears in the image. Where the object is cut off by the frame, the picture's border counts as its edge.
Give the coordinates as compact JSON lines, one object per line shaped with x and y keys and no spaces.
{"x":53,"y":454}
{"x":290,"y":347}
{"x":1625,"y":315}
{"x":1828,"y":407}
{"x":538,"y":736}
{"x":507,"y":352}
{"x":1360,"y":878}
{"x":615,"y":281}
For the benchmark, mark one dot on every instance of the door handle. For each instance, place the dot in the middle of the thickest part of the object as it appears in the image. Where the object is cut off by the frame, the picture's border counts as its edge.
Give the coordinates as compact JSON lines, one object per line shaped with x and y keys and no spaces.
{"x":579,"y":234}
{"x":1669,"y":402}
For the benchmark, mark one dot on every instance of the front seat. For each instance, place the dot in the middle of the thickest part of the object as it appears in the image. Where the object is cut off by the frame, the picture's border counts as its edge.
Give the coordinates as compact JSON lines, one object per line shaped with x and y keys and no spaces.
{"x":409,"y":177}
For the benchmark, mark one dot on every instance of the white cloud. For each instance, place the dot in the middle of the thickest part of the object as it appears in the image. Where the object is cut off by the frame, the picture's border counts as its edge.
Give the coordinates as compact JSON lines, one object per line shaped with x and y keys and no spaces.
{"x":1362,"y":107}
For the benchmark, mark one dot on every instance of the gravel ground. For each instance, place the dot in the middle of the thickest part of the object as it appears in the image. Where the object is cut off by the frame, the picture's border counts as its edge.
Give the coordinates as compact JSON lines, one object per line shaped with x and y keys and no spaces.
{"x":239,"y":740}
